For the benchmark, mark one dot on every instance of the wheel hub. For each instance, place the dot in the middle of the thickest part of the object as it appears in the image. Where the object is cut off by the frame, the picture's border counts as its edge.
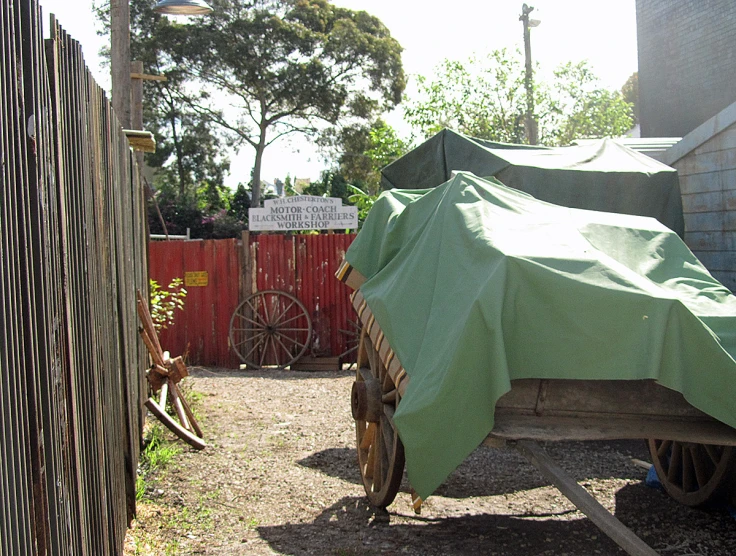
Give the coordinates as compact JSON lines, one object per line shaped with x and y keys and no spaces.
{"x":365,"y":400}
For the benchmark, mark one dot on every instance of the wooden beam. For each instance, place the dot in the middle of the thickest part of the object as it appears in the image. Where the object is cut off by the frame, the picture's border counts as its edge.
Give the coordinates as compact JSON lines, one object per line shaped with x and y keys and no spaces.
{"x":147,"y":76}
{"x":603,"y":519}
{"x":141,"y":140}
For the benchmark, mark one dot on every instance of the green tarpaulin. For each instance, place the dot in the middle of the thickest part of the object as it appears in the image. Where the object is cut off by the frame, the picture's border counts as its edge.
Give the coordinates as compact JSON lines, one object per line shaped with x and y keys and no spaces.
{"x":475,"y":284}
{"x":601,"y":175}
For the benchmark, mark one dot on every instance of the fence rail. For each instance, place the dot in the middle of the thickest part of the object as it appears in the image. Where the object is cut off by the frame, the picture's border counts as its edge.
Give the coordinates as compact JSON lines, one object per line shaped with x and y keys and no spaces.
{"x":72,"y":243}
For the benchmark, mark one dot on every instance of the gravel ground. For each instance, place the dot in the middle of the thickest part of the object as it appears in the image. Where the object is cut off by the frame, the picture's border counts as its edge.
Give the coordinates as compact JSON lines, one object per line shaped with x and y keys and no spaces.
{"x":279,"y":476}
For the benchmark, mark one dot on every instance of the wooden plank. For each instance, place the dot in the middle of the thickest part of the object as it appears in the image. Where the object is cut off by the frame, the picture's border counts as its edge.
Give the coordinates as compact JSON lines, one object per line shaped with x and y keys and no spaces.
{"x":709,"y":202}
{"x":711,"y":241}
{"x":708,"y":183}
{"x":707,"y":162}
{"x":726,"y":277}
{"x":725,"y":140}
{"x":710,"y":221}
{"x":138,"y":74}
{"x":317,"y":364}
{"x":603,"y":519}
{"x":581,"y":427}
{"x":718,"y":261}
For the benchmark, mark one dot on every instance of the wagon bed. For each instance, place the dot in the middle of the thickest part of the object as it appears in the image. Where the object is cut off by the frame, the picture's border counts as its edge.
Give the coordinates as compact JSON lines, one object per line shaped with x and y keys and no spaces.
{"x":549,"y":410}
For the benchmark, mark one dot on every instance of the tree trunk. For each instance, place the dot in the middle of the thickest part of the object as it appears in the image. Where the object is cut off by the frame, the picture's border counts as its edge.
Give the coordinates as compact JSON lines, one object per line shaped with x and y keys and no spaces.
{"x":179,"y":157}
{"x":255,"y":200}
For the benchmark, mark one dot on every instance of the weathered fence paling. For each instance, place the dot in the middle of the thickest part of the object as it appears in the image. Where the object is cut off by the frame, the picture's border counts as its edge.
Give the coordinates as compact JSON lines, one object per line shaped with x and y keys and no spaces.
{"x":72,"y":241}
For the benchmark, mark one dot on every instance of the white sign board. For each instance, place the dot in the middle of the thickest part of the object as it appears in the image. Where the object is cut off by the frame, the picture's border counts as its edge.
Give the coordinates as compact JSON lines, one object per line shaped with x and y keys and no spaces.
{"x":302,"y":212}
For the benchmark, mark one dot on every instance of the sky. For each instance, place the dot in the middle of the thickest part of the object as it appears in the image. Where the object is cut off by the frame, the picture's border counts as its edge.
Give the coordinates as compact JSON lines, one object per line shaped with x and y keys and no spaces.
{"x":600,"y":31}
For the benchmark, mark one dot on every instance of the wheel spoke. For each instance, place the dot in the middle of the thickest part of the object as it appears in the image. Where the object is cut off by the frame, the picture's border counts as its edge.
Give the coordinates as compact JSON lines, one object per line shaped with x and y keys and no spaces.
{"x":674,"y":471}
{"x":275,"y":350}
{"x":389,"y":397}
{"x":293,"y":340}
{"x":254,"y":348}
{"x":278,"y":339}
{"x":662,"y":450}
{"x":713,"y":453}
{"x":688,"y":476}
{"x":277,"y":319}
{"x":300,"y":316}
{"x":703,"y":471}
{"x":388,"y":436}
{"x":253,"y":322}
{"x":250,"y":339}
{"x":256,"y":312}
{"x":292,"y":329}
{"x":368,"y":436}
{"x":371,"y":460}
{"x":378,"y":465}
{"x":265,"y":350}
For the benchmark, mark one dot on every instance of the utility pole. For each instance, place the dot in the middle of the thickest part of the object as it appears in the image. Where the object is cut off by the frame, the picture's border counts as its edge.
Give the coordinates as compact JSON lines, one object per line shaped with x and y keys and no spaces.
{"x":530,"y":124}
{"x":120,"y":59}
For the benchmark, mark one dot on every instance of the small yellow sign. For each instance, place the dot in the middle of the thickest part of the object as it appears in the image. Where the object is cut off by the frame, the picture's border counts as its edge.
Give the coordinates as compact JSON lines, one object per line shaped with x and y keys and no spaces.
{"x":199,"y":278}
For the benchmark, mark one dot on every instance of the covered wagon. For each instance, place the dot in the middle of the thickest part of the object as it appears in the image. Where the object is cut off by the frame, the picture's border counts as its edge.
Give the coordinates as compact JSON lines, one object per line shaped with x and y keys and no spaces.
{"x":488,"y":313}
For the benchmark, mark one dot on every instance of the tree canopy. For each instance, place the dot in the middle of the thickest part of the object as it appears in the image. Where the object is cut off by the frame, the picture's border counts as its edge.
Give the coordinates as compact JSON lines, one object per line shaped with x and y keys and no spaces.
{"x":485,"y":97}
{"x":277,"y":67}
{"x":360,"y":151}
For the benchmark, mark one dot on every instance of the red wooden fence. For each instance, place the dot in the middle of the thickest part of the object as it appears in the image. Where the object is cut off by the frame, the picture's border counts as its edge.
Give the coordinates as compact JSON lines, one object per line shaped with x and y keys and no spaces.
{"x":201,"y":330}
{"x":302,"y":265}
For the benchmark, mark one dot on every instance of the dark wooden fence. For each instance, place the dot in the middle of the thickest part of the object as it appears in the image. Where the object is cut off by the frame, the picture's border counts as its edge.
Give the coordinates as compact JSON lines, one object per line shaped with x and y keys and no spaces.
{"x":302,"y":265}
{"x":72,"y":244}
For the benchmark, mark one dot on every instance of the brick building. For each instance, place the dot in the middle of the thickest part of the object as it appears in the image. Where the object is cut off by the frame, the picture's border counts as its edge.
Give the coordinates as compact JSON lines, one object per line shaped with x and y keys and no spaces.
{"x":687,"y":63}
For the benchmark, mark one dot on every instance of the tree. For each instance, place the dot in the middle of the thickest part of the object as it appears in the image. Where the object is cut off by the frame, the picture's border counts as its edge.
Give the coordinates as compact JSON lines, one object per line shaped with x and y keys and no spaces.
{"x":577,"y":107}
{"x":285,"y":66}
{"x":486,"y":98}
{"x":189,"y":148}
{"x":630,"y":92}
{"x":360,"y":151}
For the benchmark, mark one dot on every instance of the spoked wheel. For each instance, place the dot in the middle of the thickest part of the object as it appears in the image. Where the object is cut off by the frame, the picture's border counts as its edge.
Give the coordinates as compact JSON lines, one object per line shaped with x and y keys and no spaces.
{"x":693,"y":474}
{"x":374,"y":400}
{"x":270,"y":328}
{"x":180,"y":420}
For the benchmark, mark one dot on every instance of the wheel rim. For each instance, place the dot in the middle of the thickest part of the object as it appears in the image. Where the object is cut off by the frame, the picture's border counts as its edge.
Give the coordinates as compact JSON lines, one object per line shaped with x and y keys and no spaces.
{"x":270,"y":329}
{"x":380,"y":451}
{"x":693,"y":474}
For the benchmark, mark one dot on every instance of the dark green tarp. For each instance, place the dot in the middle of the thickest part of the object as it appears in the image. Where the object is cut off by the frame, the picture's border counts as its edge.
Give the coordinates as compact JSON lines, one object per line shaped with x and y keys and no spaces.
{"x":475,"y":284}
{"x":601,"y":175}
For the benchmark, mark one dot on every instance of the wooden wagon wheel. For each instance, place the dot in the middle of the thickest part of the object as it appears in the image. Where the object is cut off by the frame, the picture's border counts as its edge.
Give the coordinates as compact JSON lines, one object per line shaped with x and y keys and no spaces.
{"x":163,"y":376}
{"x":693,"y":474}
{"x":373,"y":401}
{"x":270,"y":328}
{"x":181,"y":420}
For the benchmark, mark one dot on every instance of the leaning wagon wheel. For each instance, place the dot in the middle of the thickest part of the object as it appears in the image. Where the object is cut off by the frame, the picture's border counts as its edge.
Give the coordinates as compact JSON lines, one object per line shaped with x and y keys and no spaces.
{"x":693,"y":474}
{"x":270,"y":328}
{"x":374,"y":400}
{"x":181,"y":420}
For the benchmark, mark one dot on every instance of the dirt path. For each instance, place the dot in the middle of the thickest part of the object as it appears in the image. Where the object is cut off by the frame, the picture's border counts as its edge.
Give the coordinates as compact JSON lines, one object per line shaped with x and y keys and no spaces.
{"x":279,"y":477}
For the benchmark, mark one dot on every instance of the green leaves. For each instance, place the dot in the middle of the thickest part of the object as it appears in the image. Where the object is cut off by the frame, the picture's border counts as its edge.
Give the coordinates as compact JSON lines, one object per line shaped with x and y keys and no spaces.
{"x":289,"y":67}
{"x":486,"y":98}
{"x":165,"y":302}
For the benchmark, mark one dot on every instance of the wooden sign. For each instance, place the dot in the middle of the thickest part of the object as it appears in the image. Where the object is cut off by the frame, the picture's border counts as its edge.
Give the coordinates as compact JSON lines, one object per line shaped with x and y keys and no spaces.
{"x":194,"y":279}
{"x":303,"y":212}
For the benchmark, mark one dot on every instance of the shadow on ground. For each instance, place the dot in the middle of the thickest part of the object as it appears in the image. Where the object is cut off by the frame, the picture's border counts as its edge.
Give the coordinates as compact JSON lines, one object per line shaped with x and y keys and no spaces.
{"x":348,"y":527}
{"x":491,"y":471}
